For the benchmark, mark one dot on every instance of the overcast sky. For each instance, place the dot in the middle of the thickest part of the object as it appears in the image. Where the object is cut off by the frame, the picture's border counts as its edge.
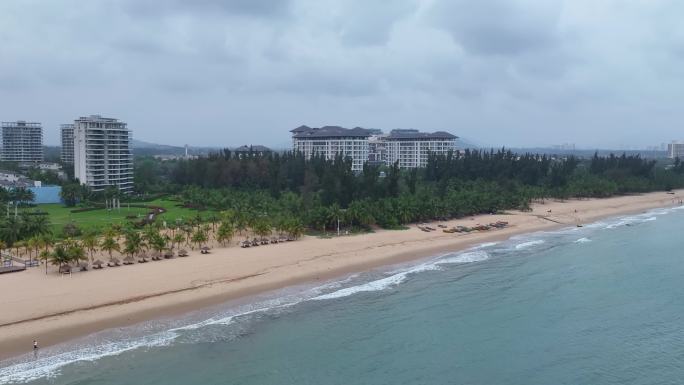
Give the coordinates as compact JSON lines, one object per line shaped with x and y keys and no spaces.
{"x":598,"y":73}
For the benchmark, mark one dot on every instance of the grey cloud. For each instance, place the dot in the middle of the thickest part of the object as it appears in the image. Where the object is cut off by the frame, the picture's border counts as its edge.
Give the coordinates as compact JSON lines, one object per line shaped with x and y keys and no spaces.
{"x":505,"y":27}
{"x":258,"y":8}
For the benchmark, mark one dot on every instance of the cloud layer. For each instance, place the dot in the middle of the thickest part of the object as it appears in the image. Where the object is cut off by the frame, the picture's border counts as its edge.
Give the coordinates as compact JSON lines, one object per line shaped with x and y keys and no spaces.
{"x":602,"y":73}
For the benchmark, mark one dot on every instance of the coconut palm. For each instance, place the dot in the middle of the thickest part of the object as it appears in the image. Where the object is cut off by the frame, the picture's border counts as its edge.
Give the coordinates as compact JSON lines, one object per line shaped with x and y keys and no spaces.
{"x":225,"y":233}
{"x":60,"y":255}
{"x":90,"y":243}
{"x":133,"y":243}
{"x":33,"y":244}
{"x":199,"y":237}
{"x":157,"y":242}
{"x":75,"y":251}
{"x":177,"y":239}
{"x":109,"y":244}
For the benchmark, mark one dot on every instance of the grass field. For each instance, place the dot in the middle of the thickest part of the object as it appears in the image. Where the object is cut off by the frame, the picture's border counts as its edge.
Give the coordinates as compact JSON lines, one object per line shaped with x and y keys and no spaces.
{"x":59,"y":215}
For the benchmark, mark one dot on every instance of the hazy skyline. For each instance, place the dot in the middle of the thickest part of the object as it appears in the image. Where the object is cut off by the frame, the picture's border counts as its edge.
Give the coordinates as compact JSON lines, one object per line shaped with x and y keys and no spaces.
{"x":225,"y":73}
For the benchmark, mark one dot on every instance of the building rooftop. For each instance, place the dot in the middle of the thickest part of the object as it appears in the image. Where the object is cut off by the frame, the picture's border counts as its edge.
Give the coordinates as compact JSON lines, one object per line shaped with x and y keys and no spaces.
{"x":302,"y":132}
{"x":252,"y":148}
{"x":21,"y":123}
{"x":415,"y":134}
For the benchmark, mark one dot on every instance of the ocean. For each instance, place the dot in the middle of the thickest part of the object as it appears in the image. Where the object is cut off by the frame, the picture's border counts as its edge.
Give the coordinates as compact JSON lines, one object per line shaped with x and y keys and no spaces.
{"x":601,"y":304}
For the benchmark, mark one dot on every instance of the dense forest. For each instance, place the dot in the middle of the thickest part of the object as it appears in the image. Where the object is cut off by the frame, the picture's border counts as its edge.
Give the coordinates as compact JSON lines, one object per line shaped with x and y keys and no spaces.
{"x":319,"y":192}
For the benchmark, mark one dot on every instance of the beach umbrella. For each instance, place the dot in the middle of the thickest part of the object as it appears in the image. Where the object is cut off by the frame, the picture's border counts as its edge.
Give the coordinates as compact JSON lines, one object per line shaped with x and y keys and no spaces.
{"x":168,"y":253}
{"x":183,"y":253}
{"x":129,"y":259}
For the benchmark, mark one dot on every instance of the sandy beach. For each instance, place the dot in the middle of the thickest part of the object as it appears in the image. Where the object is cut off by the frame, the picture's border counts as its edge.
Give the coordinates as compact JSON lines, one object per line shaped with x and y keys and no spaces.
{"x":53,"y":308}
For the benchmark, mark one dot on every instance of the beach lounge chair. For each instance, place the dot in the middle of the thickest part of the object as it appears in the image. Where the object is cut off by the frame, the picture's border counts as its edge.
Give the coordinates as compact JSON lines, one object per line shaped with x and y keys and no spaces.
{"x":183,"y":253}
{"x":65,"y":269}
{"x":97,"y":264}
{"x":168,"y":254}
{"x":129,"y":260}
{"x":245,"y":244}
{"x":114,"y":262}
{"x":204,"y":249}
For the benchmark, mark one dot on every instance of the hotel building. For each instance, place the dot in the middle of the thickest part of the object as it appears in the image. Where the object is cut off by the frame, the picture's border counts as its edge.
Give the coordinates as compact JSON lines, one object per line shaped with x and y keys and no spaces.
{"x":331,"y":141}
{"x":411,"y":148}
{"x":675,"y":150}
{"x":67,"y":155}
{"x":22,"y":142}
{"x":102,"y":153}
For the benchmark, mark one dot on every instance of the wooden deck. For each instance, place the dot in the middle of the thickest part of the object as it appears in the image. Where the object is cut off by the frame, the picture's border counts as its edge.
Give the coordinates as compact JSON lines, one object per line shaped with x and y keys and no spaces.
{"x":11,"y":269}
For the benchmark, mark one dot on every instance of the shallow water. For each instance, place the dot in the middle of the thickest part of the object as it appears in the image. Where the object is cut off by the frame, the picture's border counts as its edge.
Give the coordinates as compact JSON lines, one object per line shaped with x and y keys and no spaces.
{"x":596,"y":305}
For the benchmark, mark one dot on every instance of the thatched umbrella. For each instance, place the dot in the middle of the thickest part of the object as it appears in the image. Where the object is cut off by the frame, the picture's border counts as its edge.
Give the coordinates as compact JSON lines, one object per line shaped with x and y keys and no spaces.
{"x":183,"y":253}
{"x":205,"y":249}
{"x":98,"y":264}
{"x":156,"y":256}
{"x":129,"y":260}
{"x":114,"y":262}
{"x":142,"y":258}
{"x":65,"y":269}
{"x":83,"y":266}
{"x":168,"y":254}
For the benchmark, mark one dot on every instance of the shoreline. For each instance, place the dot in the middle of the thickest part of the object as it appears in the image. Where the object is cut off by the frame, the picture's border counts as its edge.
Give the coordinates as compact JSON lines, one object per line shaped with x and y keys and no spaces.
{"x":54,"y":309}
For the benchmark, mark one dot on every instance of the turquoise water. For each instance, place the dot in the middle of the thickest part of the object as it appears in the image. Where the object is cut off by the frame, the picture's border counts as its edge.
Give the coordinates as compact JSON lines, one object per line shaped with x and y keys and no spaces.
{"x":598,"y":305}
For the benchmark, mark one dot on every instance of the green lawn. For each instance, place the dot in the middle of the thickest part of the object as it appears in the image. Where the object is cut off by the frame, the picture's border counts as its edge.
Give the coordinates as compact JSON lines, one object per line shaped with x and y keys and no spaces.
{"x":60,"y":215}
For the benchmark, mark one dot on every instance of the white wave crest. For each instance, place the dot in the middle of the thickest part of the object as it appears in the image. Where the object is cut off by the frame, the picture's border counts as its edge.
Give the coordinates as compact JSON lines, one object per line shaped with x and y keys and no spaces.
{"x":397,"y":278}
{"x":49,"y":366}
{"x":583,"y":240}
{"x":526,"y":245}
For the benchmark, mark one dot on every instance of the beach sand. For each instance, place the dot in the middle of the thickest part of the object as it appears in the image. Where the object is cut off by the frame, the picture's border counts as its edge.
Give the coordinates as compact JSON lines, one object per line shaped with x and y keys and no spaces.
{"x":53,"y":308}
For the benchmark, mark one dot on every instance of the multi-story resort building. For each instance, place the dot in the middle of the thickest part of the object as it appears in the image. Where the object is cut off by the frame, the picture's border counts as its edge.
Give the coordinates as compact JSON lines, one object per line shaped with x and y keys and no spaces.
{"x":411,"y":148}
{"x":408,"y":147}
{"x":67,"y":155}
{"x":22,"y":142}
{"x":102,"y":153}
{"x":675,"y":150}
{"x":331,"y":141}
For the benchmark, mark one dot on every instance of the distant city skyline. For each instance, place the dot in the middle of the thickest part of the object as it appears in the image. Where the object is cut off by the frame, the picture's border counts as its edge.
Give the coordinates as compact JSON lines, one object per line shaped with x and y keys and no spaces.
{"x":515,"y":73}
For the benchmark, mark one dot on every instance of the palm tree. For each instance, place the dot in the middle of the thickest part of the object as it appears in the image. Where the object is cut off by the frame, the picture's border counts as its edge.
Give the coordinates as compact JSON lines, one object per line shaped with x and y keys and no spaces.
{"x":32,"y":245}
{"x":295,"y":228}
{"x":109,"y":244}
{"x":75,"y":251}
{"x":90,"y":243}
{"x":199,"y":237}
{"x":133,"y":243}
{"x":45,"y":256}
{"x":157,"y":242}
{"x":60,"y":256}
{"x":225,"y":233}
{"x":177,"y":239}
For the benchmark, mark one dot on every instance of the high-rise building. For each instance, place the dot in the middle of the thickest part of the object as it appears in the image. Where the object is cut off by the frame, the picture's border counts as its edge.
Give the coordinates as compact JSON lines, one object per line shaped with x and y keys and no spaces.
{"x":411,"y":148}
{"x":67,"y":155}
{"x":102,"y":153}
{"x":22,"y":142}
{"x":333,"y":141}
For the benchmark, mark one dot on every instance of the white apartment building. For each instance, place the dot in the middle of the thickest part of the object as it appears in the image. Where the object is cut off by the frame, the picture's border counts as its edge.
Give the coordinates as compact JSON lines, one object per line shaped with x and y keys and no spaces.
{"x":675,"y":150}
{"x":102,"y":153}
{"x":22,"y":142}
{"x":67,"y":155}
{"x":331,"y":141}
{"x":411,"y":148}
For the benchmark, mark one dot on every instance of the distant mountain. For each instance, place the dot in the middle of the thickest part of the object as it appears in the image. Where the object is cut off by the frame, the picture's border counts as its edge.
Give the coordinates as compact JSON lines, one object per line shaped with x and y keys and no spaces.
{"x":139,"y":144}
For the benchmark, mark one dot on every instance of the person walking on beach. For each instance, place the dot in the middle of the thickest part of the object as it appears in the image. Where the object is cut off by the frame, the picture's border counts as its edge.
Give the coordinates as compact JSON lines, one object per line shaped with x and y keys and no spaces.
{"x":35,"y":345}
